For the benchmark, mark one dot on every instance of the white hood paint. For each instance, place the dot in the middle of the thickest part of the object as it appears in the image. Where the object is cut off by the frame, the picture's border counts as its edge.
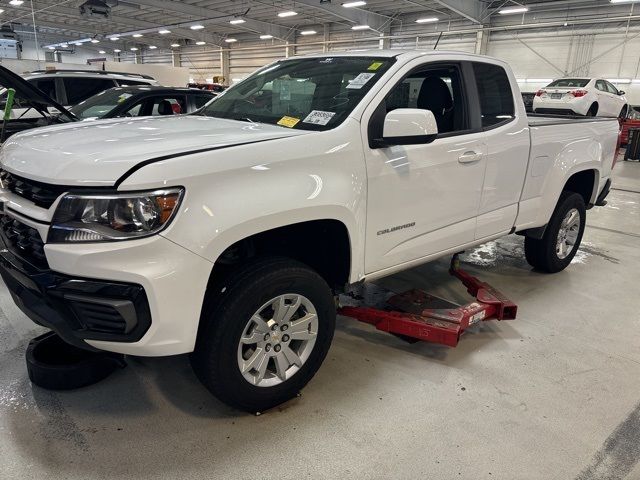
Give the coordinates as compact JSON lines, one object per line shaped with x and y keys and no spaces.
{"x":99,"y":153}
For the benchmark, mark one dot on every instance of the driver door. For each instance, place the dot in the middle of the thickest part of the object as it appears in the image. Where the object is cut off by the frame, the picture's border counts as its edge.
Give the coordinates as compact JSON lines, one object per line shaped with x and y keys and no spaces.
{"x":423,"y":199}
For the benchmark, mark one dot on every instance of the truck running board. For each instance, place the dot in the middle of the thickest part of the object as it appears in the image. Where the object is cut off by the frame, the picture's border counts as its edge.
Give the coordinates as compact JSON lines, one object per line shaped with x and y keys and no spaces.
{"x":416,"y":315}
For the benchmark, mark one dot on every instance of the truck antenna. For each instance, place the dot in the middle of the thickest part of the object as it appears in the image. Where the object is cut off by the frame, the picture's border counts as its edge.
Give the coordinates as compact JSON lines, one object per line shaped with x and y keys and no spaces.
{"x":438,"y":41}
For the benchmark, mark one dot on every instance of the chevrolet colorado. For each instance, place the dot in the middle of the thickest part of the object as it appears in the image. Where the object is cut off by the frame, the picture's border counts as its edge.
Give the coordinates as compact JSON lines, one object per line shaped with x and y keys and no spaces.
{"x":226,"y":234}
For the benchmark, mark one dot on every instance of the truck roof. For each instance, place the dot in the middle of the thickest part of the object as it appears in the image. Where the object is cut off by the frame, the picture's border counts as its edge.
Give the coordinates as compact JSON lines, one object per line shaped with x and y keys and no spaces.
{"x":405,"y":54}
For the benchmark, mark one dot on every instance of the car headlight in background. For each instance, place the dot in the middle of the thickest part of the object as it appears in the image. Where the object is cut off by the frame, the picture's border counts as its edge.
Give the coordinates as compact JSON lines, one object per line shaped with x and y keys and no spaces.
{"x":111,"y":217}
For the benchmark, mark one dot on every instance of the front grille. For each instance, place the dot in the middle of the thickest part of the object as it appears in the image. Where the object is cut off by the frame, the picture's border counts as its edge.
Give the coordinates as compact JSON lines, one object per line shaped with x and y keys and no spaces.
{"x":23,"y":241}
{"x":42,"y":194}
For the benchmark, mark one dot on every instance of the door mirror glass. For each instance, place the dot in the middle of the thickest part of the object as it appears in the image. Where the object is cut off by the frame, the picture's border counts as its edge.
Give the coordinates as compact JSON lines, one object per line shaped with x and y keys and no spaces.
{"x":409,"y":126}
{"x":621,"y":92}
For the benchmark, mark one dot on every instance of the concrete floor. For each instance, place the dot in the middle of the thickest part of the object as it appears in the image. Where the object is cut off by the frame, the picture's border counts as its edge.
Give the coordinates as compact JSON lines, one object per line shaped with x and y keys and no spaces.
{"x":552,"y":395}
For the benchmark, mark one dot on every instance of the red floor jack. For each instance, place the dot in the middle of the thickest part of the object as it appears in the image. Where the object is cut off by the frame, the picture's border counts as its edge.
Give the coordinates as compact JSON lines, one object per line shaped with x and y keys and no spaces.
{"x":416,"y":315}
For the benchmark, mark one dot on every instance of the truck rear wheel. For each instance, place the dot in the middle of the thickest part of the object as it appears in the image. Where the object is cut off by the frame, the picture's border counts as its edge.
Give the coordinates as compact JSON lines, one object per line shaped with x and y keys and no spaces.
{"x":264,"y":333}
{"x":561,"y":240}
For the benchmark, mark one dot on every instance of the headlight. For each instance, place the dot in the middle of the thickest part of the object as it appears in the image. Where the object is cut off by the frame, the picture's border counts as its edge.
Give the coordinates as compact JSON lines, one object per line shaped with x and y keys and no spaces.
{"x":110,"y":217}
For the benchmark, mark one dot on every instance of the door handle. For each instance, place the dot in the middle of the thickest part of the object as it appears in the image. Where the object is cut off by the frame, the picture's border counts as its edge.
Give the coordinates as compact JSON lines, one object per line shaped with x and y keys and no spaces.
{"x":470,"y":157}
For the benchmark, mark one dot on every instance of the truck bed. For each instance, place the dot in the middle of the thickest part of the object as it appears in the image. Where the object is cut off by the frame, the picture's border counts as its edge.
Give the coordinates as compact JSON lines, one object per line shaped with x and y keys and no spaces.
{"x":540,"y":120}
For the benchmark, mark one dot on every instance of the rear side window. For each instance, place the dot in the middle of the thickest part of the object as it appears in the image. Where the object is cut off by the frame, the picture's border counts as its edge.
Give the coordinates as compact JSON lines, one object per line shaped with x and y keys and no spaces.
{"x":79,"y":89}
{"x":494,"y":92}
{"x":202,"y":100}
{"x":48,"y":86}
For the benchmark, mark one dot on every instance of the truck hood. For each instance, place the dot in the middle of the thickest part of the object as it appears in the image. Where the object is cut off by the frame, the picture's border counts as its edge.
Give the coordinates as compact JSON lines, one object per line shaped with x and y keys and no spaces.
{"x":99,"y":153}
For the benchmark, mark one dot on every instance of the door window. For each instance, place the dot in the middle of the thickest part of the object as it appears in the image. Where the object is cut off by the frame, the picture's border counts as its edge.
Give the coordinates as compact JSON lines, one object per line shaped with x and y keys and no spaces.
{"x":438,"y":89}
{"x":611,"y":88}
{"x":174,"y":105}
{"x":79,"y":89}
{"x":495,"y":95}
{"x":48,"y":86}
{"x":135,"y":111}
{"x":601,"y":86}
{"x":201,"y":100}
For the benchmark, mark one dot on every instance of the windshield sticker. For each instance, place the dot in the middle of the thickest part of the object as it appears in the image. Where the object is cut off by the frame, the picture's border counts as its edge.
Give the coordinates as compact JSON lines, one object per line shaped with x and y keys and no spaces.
{"x":374,"y":66}
{"x":360,"y":80}
{"x":288,"y":121}
{"x":318,"y":117}
{"x":123,"y":97}
{"x":326,"y":60}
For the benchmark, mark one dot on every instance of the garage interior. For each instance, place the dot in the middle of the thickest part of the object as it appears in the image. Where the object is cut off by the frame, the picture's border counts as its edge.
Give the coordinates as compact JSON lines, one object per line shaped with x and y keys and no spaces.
{"x":551,"y":395}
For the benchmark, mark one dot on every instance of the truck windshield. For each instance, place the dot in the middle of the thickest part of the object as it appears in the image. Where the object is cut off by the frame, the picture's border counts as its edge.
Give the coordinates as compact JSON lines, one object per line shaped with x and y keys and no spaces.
{"x":570,"y":83}
{"x":308,"y":94}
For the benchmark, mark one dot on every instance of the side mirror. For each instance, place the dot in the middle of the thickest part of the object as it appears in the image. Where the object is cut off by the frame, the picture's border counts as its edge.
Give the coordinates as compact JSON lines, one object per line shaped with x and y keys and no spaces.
{"x":408,"y":126}
{"x":621,"y":92}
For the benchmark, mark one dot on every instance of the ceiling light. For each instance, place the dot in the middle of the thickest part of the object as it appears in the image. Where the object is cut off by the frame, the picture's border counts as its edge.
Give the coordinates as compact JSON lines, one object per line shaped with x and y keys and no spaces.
{"x":51,"y":48}
{"x":117,"y":50}
{"x":152,"y":47}
{"x":16,"y":2}
{"x":427,"y":20}
{"x":359,"y":3}
{"x":236,"y":21}
{"x":201,"y":43}
{"x":196,"y":27}
{"x":134,"y":49}
{"x":102,"y":52}
{"x":308,"y":32}
{"x":360,"y":27}
{"x":507,"y":11}
{"x":64,"y":45}
{"x":624,"y":1}
{"x":265,"y":37}
{"x":114,"y":39}
{"x":137,"y":35}
{"x":230,"y":40}
{"x":78,"y":44}
{"x":175,"y":45}
{"x":164,"y":31}
{"x":287,"y":14}
{"x":1,"y":10}
{"x":95,"y":40}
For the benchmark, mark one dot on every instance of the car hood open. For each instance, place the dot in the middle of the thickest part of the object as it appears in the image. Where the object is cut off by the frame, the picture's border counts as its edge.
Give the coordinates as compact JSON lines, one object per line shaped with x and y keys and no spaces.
{"x":99,"y":153}
{"x":28,"y":94}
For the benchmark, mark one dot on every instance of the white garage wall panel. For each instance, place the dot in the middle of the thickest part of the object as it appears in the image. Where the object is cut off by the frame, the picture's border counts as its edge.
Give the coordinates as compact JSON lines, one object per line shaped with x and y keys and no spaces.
{"x":202,"y":64}
{"x":246,"y":60}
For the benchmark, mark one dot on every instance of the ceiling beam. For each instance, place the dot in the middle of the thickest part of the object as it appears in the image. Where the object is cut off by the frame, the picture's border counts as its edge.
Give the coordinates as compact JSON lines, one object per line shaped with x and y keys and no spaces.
{"x":470,"y":9}
{"x":356,"y":16}
{"x":213,"y":16}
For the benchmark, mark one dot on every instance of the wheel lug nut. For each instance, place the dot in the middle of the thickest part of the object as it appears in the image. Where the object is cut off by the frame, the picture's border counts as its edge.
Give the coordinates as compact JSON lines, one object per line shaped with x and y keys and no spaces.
{"x":268,"y":347}
{"x":277,"y":348}
{"x":285,"y":338}
{"x":266,"y":337}
{"x":283,"y":328}
{"x":274,"y":327}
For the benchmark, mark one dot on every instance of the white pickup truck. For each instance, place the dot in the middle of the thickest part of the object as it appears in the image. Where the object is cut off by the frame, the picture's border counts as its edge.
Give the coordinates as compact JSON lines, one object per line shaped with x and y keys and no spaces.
{"x":226,"y":234}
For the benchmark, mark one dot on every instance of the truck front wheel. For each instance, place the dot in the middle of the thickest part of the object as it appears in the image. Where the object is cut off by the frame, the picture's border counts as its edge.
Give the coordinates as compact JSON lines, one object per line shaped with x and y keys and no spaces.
{"x":561,"y":240}
{"x":264,"y":332}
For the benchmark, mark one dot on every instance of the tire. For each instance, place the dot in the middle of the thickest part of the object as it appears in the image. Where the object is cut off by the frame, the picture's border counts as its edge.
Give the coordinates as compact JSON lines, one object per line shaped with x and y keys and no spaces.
{"x":593,"y":110}
{"x":543,"y":254}
{"x":230,"y":312}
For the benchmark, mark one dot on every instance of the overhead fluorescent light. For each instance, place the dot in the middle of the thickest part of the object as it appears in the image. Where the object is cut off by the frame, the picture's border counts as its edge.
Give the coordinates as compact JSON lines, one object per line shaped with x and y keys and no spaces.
{"x":289,"y":13}
{"x":164,"y":31}
{"x":624,"y":1}
{"x":137,"y":35}
{"x":51,"y":48}
{"x":16,"y":2}
{"x":102,"y":52}
{"x":201,"y":43}
{"x":152,"y":47}
{"x":114,"y":38}
{"x":117,"y":50}
{"x":230,"y":40}
{"x":265,"y":37}
{"x":360,"y":27}
{"x":64,"y":45}
{"x":175,"y":45}
{"x":427,"y":20}
{"x":1,"y":10}
{"x":134,"y":49}
{"x":196,"y":27}
{"x":95,"y":40}
{"x":507,"y":11}
{"x":619,"y":80}
{"x":360,"y":3}
{"x":308,"y":32}
{"x":237,"y":21}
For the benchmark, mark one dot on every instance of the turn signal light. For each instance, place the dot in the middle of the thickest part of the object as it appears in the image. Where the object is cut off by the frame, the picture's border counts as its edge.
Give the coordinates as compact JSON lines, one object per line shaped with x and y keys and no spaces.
{"x":578,"y":93}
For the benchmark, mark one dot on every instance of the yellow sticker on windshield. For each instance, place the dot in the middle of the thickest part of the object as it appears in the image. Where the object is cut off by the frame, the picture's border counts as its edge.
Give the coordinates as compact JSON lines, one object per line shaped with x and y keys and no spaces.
{"x":288,"y":121}
{"x":375,"y":66}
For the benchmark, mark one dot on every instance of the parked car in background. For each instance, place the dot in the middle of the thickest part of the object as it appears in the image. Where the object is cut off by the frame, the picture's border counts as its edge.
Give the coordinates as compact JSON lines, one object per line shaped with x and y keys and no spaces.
{"x":37,"y":109}
{"x":141,"y":102}
{"x":527,"y":98}
{"x":214,"y":87}
{"x":581,"y":96}
{"x":632,"y":121}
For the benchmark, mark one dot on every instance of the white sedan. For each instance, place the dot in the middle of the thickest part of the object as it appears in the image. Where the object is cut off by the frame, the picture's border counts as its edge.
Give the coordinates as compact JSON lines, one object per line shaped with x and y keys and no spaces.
{"x":581,"y":96}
